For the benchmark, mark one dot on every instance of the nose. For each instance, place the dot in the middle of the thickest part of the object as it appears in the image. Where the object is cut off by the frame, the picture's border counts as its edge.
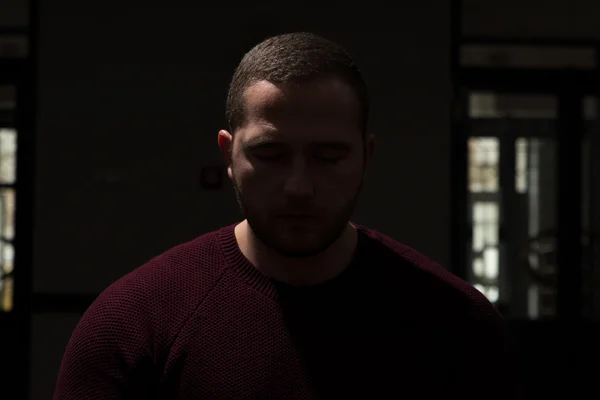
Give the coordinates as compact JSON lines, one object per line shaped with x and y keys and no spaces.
{"x":299,"y":184}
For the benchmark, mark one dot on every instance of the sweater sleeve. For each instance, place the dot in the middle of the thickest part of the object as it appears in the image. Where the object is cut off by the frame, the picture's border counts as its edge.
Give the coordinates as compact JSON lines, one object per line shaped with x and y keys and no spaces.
{"x":109,"y":355}
{"x":487,"y":366}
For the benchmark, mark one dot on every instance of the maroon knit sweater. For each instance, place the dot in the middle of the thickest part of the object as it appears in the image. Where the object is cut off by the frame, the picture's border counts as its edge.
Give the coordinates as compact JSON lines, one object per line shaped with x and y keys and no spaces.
{"x":200,"y":322}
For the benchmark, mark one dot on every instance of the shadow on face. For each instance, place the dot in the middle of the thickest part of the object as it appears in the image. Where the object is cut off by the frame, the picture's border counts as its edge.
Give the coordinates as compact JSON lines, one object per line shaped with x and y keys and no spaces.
{"x":298,"y":162}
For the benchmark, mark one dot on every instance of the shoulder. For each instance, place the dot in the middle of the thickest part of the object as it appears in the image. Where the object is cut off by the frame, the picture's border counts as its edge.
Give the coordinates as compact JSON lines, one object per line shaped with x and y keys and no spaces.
{"x":433,"y":284}
{"x":161,"y":295}
{"x":461,"y":323}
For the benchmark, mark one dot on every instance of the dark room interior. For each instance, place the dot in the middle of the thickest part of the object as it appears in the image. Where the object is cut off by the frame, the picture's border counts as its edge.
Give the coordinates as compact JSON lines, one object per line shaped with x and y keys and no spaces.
{"x":487,"y":119}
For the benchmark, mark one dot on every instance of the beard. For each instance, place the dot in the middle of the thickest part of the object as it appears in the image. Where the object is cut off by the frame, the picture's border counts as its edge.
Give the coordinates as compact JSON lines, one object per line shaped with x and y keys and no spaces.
{"x":305,"y":244}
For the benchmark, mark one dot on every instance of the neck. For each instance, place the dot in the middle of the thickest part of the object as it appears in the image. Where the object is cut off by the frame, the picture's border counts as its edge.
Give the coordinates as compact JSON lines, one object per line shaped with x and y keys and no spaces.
{"x":298,"y":272}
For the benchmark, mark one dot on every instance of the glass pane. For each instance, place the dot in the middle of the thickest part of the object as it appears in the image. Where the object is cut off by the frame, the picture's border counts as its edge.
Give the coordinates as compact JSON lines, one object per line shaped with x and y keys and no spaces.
{"x":483,"y":164}
{"x":512,"y":190}
{"x":8,"y":258}
{"x":8,"y":155}
{"x":6,"y":294}
{"x":491,"y":292}
{"x":6,"y":276}
{"x":7,"y":213}
{"x":484,"y":249}
{"x":520,"y":56}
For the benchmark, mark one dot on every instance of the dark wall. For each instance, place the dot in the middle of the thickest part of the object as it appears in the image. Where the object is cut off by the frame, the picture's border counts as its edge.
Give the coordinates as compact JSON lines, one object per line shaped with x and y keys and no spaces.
{"x":131,"y":99}
{"x":130,"y":102}
{"x":562,"y":19}
{"x":14,"y":13}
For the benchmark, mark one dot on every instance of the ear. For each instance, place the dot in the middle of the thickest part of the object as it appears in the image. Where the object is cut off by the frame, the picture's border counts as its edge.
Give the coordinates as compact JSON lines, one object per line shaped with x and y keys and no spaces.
{"x":225,"y":141}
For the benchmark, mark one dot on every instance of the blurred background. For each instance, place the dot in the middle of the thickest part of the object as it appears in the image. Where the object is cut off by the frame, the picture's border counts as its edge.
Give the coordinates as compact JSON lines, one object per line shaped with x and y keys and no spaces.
{"x":488,"y":157}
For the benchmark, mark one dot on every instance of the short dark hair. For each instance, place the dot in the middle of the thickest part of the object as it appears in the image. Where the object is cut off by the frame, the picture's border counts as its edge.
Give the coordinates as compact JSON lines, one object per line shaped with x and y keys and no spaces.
{"x":293,"y":58}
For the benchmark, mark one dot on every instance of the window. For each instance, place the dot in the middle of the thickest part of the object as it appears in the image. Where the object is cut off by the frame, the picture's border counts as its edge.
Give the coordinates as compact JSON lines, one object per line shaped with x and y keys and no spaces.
{"x":8,"y":151}
{"x":485,"y":218}
{"x":516,"y":269}
{"x":483,"y":165}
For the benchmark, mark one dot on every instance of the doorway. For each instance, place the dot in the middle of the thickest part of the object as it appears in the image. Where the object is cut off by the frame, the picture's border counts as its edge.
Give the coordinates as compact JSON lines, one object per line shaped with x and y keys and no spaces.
{"x":513,"y":198}
{"x":528,"y":188}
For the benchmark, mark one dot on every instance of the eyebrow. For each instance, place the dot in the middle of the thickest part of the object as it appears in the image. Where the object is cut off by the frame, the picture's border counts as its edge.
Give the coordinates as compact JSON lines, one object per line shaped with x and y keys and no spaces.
{"x":269,"y":142}
{"x":262,"y":142}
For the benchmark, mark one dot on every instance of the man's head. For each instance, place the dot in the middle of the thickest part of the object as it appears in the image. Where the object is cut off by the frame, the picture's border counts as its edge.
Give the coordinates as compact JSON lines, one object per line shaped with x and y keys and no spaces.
{"x":298,"y":146}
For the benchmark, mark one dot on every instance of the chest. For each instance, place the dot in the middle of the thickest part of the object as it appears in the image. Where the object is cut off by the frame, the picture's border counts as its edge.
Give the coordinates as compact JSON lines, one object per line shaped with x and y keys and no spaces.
{"x":304,"y":351}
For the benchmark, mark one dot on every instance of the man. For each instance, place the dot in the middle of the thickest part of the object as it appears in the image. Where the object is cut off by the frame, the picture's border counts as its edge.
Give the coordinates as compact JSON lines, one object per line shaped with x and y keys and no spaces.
{"x":294,"y":302}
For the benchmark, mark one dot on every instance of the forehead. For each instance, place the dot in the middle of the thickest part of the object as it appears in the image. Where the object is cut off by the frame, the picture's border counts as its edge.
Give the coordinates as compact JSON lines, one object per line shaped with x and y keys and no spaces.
{"x":321,"y":108}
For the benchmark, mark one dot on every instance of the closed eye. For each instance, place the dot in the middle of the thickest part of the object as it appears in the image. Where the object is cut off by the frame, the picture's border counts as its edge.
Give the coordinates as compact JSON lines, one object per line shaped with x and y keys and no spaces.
{"x":267,"y":151}
{"x":331,"y":156}
{"x":269,"y":157}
